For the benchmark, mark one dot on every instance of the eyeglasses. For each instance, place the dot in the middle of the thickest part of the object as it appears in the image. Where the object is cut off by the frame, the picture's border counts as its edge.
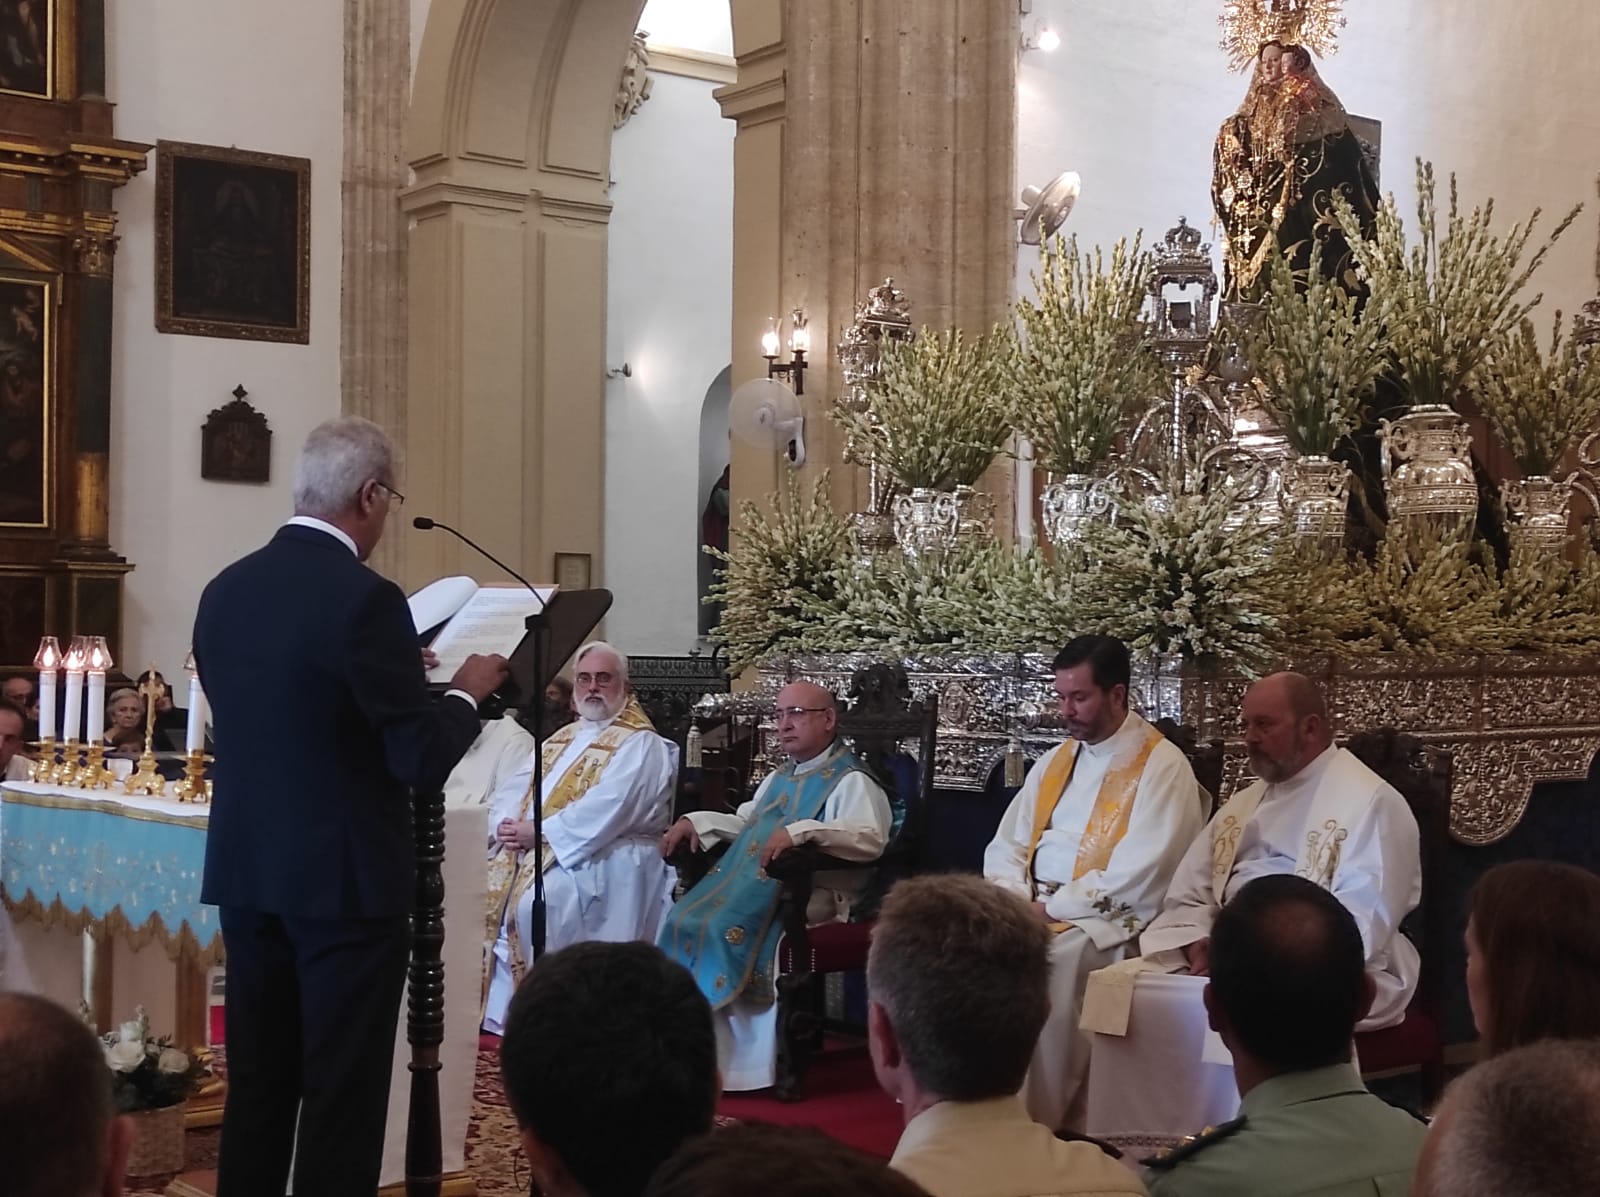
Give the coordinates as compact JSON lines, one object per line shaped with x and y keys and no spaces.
{"x":598,"y":679}
{"x":396,"y":499}
{"x":793,"y":714}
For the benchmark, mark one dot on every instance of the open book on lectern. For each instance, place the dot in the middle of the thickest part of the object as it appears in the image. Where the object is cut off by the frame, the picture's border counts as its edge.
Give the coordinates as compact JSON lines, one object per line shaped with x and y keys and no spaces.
{"x":456,"y":618}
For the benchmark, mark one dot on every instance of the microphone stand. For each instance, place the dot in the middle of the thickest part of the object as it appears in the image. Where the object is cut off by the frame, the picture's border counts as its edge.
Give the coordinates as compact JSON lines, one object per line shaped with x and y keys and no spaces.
{"x":536,"y":625}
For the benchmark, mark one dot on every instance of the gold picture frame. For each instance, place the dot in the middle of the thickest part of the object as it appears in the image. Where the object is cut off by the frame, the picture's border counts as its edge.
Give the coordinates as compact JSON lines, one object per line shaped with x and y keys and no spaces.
{"x":574,"y":571}
{"x":30,"y":33}
{"x":27,"y":400}
{"x":233,"y":243}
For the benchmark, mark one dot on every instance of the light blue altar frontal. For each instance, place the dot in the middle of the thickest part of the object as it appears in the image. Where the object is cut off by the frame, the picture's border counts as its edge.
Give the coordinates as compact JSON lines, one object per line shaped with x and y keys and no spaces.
{"x":108,"y":857}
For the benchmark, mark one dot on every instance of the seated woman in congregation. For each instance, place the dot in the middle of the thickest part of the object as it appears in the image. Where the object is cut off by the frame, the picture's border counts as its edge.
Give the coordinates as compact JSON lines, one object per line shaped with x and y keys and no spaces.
{"x":124,"y":724}
{"x":1533,"y":954}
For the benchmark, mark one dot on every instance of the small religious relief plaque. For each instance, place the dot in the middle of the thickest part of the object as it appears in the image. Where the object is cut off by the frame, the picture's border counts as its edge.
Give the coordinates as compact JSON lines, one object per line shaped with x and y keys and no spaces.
{"x":233,"y":243}
{"x":235,"y":443}
{"x":27,"y":48}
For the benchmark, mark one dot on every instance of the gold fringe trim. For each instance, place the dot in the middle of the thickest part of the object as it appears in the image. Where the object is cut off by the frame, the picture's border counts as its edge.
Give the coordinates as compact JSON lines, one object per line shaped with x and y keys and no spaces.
{"x":116,"y":924}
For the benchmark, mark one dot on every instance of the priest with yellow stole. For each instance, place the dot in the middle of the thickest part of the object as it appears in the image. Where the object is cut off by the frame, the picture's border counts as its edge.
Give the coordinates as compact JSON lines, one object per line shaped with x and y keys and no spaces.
{"x":608,"y":781}
{"x":724,"y":930}
{"x":1092,"y":840}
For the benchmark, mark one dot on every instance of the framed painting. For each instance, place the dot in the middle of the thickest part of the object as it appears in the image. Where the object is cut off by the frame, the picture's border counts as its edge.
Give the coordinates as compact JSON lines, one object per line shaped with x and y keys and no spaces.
{"x":573,"y":571}
{"x":28,"y":48}
{"x":27,"y":399}
{"x":233,"y":243}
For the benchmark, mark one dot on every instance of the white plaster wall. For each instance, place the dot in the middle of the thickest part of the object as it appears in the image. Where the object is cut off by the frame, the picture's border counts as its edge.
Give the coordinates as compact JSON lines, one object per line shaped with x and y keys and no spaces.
{"x":259,"y":77}
{"x":669,"y":293}
{"x":1499,"y":93}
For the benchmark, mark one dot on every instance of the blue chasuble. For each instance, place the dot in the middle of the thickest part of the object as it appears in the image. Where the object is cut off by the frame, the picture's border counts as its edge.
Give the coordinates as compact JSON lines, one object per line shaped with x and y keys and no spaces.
{"x":724,"y":930}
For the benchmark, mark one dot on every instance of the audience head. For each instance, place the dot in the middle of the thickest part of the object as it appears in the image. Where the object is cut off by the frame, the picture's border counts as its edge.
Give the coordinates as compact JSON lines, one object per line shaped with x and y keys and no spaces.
{"x":346,"y":477}
{"x":1526,"y":1122}
{"x":776,"y":1161}
{"x":600,"y":681}
{"x":164,"y":702}
{"x":1285,"y":725}
{"x":18,"y":689}
{"x":808,"y":719}
{"x":605,"y":1039}
{"x":58,"y":1136}
{"x":124,"y":711}
{"x":558,"y":699}
{"x":1533,"y":954}
{"x":1092,"y":678}
{"x":959,"y":982}
{"x":12,"y":725}
{"x":1288,"y":976}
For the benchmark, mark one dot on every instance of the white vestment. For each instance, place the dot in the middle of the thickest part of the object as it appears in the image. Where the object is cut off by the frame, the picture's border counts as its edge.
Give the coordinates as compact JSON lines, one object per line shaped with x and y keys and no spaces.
{"x":1107,"y":905}
{"x":855,"y":824}
{"x":606,"y":879}
{"x":500,"y":750}
{"x":1335,"y":822}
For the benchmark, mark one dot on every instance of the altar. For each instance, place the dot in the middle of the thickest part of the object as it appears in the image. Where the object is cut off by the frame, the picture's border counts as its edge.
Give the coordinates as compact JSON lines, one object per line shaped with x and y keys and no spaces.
{"x":125,"y":869}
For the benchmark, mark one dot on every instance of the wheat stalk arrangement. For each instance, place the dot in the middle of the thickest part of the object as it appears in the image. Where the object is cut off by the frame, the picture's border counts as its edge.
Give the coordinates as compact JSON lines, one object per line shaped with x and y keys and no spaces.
{"x":1539,"y":404}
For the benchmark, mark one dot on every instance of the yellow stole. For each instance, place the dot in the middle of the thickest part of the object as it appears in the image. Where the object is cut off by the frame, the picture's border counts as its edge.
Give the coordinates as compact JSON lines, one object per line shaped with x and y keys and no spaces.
{"x":510,"y":873}
{"x":1108,"y":821}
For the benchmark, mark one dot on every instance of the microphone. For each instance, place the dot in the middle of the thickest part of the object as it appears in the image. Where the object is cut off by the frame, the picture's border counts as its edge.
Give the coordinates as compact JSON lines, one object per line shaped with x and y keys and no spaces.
{"x":423,"y":524}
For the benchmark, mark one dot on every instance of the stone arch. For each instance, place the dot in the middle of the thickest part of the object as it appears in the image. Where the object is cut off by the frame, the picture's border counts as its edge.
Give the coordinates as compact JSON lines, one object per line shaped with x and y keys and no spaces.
{"x":509,"y":140}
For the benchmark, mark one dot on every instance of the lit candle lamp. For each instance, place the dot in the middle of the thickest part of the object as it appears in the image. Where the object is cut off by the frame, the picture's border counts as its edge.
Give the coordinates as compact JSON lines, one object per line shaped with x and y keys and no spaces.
{"x":770,"y":340}
{"x":194,"y":738}
{"x":72,"y":718}
{"x":48,"y":662}
{"x":799,"y":332}
{"x":96,"y":661}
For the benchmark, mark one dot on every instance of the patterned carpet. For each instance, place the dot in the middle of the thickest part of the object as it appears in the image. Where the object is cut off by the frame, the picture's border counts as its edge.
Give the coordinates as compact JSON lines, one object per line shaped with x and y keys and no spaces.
{"x":841,"y":1099}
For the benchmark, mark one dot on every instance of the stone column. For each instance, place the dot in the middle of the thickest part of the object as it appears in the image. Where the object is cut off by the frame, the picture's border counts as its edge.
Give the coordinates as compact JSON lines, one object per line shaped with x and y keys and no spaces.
{"x":898,"y":156}
{"x":372,"y":316}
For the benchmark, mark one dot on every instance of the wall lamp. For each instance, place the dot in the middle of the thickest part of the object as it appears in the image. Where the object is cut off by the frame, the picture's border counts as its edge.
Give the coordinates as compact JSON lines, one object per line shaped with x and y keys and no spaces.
{"x":799,"y":345}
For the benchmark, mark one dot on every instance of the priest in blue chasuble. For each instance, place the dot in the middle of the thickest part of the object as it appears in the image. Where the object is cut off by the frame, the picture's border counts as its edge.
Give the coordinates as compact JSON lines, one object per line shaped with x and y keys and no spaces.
{"x":1092,"y":840}
{"x":724,"y":930}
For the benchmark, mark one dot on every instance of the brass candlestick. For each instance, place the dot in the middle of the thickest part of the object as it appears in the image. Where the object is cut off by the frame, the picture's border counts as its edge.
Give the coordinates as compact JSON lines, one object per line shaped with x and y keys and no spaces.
{"x":43,"y":767}
{"x":194,"y":787}
{"x":65,"y":771}
{"x":95,"y":775}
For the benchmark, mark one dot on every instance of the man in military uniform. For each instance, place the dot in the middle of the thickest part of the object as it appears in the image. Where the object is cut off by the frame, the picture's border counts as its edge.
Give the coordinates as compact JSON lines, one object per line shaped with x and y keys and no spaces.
{"x":1288,"y":985}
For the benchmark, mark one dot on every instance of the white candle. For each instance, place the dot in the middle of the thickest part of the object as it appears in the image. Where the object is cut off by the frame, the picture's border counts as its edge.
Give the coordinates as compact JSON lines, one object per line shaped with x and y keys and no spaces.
{"x":194,"y":738}
{"x":97,"y":708}
{"x":73,"y":719}
{"x":47,"y":704}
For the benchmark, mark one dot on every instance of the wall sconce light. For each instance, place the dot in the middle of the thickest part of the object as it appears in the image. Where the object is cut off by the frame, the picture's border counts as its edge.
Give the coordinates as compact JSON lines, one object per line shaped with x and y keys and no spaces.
{"x":1042,"y":38}
{"x":799,"y":345}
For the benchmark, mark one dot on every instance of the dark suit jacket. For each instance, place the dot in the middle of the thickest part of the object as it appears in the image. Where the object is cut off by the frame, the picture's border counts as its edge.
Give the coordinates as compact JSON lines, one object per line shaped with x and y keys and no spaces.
{"x":323,"y":722}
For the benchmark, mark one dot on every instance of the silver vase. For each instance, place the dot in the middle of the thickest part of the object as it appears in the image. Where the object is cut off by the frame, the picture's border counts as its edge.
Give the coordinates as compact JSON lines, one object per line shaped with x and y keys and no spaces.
{"x":1427,"y":468}
{"x":974,"y":515}
{"x":873,"y":535}
{"x":926,"y":521}
{"x":1538,"y":513}
{"x":1315,"y":497}
{"x":1072,"y":504}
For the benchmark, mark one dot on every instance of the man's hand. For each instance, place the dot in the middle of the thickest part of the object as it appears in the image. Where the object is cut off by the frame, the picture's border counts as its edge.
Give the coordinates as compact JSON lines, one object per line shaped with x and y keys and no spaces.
{"x":480,"y":676}
{"x":1198,"y":954}
{"x":680,"y":832}
{"x":430,"y":659}
{"x":514,"y":834}
{"x":777,"y":844}
{"x":1044,"y":915}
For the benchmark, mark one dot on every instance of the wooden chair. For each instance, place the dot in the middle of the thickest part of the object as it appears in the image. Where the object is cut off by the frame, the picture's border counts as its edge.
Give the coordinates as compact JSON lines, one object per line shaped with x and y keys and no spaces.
{"x":1422,"y":774}
{"x":879,"y":722}
{"x":1205,"y":759}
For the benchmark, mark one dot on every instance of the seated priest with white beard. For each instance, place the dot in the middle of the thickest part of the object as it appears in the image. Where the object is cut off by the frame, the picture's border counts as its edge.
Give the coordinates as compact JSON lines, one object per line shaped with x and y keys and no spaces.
{"x":724,"y":930}
{"x":1315,"y":811}
{"x":1091,"y":840}
{"x":608,"y":782}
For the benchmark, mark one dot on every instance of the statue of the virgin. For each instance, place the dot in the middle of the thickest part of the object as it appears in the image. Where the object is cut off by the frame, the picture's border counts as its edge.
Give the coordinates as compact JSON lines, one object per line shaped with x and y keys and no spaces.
{"x":1281,"y":158}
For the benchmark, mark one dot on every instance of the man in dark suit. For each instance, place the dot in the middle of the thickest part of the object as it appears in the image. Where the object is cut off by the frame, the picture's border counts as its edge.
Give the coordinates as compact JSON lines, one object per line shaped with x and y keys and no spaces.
{"x":300,"y":643}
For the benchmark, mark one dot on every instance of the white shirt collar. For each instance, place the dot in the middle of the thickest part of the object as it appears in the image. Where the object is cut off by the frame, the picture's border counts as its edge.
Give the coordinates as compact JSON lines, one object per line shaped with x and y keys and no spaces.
{"x":815,"y":762}
{"x":1309,"y":776}
{"x":1113,"y":743}
{"x":311,"y":521}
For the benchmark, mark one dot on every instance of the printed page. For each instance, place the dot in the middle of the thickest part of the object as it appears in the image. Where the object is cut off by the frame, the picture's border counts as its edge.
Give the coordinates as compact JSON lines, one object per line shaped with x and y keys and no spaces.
{"x":490,"y":622}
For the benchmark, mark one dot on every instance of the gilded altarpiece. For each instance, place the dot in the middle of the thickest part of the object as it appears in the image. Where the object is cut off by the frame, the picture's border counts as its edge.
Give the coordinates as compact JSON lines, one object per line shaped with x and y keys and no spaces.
{"x":59,"y":165}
